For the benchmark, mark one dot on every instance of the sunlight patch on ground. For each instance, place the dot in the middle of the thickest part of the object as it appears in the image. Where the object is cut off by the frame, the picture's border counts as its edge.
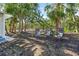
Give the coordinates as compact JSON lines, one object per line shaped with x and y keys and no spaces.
{"x":70,"y":52}
{"x":9,"y":38}
{"x":38,"y":50}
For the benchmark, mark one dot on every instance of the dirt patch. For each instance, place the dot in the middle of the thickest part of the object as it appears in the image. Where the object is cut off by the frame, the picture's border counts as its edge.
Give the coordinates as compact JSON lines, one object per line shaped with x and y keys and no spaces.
{"x":27,"y":45}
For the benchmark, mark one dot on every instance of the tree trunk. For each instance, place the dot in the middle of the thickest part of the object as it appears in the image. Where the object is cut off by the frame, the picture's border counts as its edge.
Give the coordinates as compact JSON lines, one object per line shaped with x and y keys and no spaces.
{"x":10,"y":30}
{"x":6,"y":29}
{"x":22,"y":26}
{"x":58,"y":24}
{"x":19,"y":26}
{"x":25,"y":26}
{"x":14,"y":27}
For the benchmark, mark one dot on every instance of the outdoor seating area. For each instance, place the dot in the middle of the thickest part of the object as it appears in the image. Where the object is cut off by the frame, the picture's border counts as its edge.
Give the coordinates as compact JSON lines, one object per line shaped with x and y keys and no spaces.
{"x":39,"y":29}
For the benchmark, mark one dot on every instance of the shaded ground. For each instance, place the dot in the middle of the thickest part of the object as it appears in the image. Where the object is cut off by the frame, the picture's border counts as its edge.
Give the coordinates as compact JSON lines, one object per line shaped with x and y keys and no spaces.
{"x":25,"y":44}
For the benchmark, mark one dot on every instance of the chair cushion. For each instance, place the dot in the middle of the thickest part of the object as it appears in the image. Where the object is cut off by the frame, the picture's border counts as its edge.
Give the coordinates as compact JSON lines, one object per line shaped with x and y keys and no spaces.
{"x":2,"y":39}
{"x":0,"y":36}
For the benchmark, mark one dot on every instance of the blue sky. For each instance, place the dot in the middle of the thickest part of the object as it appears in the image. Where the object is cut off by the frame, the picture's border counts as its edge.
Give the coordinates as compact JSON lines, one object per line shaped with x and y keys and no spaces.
{"x":41,"y":8}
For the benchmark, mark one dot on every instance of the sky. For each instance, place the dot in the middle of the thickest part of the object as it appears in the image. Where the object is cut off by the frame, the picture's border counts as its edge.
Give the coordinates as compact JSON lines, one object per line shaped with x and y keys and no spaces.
{"x":41,"y":8}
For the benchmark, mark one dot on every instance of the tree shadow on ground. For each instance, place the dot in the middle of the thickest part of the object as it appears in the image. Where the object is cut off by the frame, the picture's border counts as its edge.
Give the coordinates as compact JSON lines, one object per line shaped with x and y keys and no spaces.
{"x":50,"y":46}
{"x":72,"y":43}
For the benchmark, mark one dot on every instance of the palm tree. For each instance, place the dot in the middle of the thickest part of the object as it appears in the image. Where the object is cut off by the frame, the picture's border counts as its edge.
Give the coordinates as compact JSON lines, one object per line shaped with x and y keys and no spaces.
{"x":71,"y":10}
{"x":56,"y":13}
{"x":21,"y":12}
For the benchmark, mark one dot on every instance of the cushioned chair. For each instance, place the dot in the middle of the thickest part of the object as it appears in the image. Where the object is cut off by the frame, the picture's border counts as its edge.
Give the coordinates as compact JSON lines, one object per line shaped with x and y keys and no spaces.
{"x":59,"y":37}
{"x":60,"y":33}
{"x":2,"y":39}
{"x":0,"y":36}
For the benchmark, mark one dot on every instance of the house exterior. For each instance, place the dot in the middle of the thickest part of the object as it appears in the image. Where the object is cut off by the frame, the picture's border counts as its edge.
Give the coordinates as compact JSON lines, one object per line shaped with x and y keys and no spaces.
{"x":3,"y":17}
{"x":2,"y":24}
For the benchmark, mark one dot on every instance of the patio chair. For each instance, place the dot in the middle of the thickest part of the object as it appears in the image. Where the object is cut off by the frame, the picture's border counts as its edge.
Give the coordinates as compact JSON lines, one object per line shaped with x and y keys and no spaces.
{"x":60,"y":33}
{"x":2,"y":39}
{"x":37,"y":33}
{"x":59,"y":36}
{"x":47,"y":33}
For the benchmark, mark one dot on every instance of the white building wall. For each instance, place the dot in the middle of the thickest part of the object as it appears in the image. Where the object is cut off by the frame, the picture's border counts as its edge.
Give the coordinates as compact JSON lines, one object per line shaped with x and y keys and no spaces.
{"x":2,"y":26}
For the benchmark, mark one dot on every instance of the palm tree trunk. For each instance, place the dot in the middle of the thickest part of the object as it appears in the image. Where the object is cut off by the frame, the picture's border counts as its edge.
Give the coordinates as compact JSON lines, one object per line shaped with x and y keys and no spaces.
{"x":6,"y":29}
{"x":14,"y":27}
{"x":58,"y":24}
{"x":25,"y":26}
{"x":22,"y":26}
{"x":19,"y":26}
{"x":10,"y":30}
